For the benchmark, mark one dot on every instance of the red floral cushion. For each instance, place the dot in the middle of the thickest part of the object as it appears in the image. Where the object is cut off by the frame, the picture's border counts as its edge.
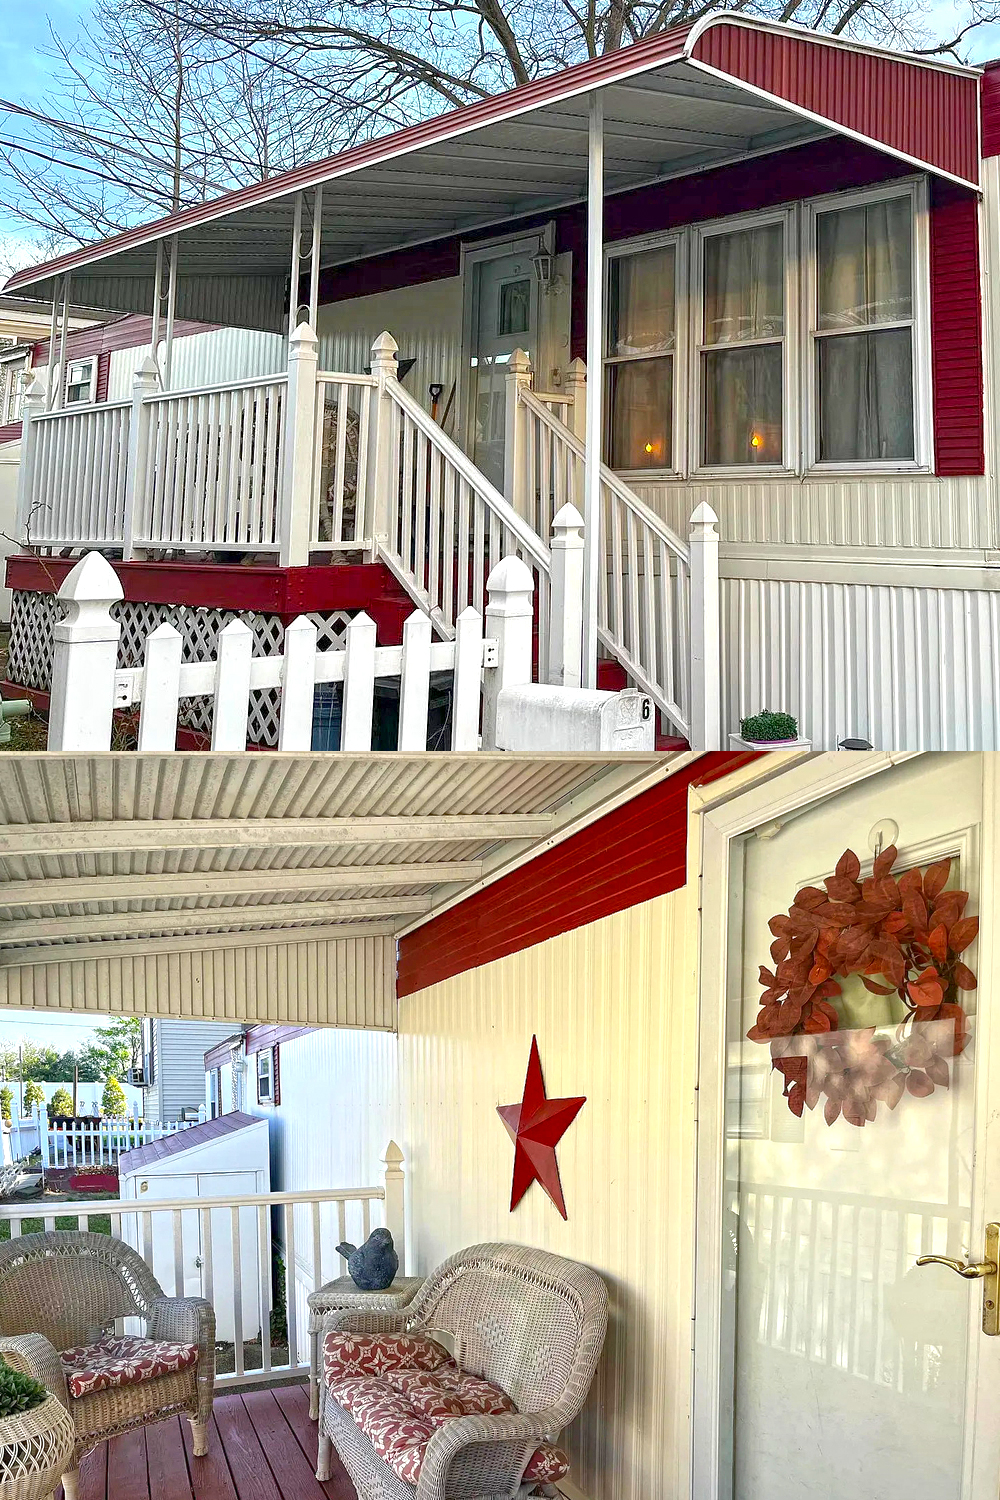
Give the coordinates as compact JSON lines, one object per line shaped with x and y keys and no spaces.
{"x":122,"y":1361}
{"x":374,"y":1353}
{"x":399,"y":1410}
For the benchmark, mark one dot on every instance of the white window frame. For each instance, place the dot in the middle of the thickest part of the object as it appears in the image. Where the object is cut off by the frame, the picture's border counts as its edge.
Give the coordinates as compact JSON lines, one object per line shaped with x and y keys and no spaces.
{"x":71,"y":364}
{"x":265,"y":1056}
{"x":788,"y":218}
{"x":915,"y":189}
{"x":680,"y":240}
{"x":13,"y":383}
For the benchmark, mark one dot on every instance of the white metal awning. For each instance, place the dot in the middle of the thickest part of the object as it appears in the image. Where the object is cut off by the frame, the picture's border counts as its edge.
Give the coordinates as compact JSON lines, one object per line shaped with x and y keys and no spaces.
{"x":693,"y":97}
{"x":135,"y":883}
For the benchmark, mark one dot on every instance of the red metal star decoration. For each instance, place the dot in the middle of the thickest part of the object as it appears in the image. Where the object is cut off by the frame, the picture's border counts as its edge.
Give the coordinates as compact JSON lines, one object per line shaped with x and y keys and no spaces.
{"x":536,"y":1126}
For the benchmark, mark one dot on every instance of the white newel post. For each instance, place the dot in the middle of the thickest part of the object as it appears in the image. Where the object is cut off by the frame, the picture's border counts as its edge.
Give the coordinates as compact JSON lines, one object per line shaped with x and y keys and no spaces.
{"x":299,"y":447}
{"x":32,"y":406}
{"x":145,"y":382}
{"x":518,"y":378}
{"x":566,"y":594}
{"x":84,"y":658}
{"x":509,"y":623}
{"x":395,"y":1212}
{"x":575,"y":385}
{"x":706,"y":715}
{"x":383,"y":465}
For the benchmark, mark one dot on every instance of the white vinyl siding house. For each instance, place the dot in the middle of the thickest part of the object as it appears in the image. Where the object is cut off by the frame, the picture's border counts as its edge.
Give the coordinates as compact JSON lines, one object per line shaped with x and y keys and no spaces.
{"x":174,"y":1065}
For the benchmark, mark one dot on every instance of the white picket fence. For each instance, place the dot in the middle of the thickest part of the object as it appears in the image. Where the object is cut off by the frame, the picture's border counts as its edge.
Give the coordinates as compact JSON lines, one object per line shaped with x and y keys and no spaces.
{"x":225,"y":1249}
{"x":99,"y":1143}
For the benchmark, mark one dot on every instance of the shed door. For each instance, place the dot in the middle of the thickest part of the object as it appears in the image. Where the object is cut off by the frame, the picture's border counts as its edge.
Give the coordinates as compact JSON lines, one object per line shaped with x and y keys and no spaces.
{"x":850,"y":1153}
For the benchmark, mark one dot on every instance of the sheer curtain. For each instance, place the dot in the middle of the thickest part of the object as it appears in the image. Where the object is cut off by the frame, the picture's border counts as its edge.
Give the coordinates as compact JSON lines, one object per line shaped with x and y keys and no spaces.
{"x":865,"y":379}
{"x":744,"y":304}
{"x":640,"y":364}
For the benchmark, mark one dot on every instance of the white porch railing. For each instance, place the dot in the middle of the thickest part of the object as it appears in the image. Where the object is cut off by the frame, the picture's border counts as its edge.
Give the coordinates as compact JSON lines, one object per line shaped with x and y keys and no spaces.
{"x":229,"y":1250}
{"x":73,"y":474}
{"x":644,"y":599}
{"x":209,"y":467}
{"x":341,"y":503}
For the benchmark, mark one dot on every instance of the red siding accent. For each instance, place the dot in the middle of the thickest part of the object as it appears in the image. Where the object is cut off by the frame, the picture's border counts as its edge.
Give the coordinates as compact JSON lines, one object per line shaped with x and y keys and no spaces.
{"x":956,"y":330}
{"x":10,"y":432}
{"x":103,"y":376}
{"x":989,"y":106}
{"x":933,"y":115}
{"x":635,"y":853}
{"x":129,"y":332}
{"x":275,"y":591}
{"x":259,"y":1038}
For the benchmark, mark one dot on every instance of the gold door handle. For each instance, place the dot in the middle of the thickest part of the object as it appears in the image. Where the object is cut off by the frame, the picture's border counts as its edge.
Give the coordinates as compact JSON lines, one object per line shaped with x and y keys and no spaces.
{"x":987,"y":1271}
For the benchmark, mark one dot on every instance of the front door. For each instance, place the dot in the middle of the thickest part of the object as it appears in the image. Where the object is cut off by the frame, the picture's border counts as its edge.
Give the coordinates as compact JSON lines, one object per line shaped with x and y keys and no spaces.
{"x":859,"y":1137}
{"x":504,"y":317}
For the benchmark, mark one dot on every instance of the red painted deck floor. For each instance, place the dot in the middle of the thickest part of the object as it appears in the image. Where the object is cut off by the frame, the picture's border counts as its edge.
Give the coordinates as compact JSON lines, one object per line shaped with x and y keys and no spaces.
{"x":261,"y":1446}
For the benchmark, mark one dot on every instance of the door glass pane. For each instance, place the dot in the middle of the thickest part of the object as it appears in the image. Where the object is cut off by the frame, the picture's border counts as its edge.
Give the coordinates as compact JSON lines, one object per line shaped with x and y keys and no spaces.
{"x":849,"y":1153}
{"x":641,"y":312}
{"x":744,"y":285}
{"x":866,"y":396}
{"x":742,"y":412}
{"x":514,"y":307}
{"x":864,"y":272}
{"x":640,"y":413}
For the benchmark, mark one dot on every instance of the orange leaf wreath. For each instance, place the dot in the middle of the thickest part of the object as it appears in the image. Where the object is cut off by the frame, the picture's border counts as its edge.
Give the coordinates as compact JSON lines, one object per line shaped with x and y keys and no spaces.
{"x":904,"y":937}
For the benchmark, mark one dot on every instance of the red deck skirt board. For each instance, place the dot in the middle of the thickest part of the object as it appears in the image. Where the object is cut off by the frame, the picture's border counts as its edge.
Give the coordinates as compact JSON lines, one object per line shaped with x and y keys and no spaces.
{"x":933,"y":114}
{"x":635,"y":853}
{"x":266,"y":590}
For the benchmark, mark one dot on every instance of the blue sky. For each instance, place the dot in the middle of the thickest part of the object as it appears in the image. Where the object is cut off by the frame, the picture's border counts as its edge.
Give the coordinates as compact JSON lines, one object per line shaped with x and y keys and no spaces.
{"x":61,"y":1032}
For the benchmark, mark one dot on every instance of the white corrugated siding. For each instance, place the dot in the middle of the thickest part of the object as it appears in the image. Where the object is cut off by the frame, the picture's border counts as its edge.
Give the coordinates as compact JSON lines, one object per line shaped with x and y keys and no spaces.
{"x":904,"y":668}
{"x":425,"y":321}
{"x":613,"y":1005}
{"x":331,"y":982}
{"x":913,"y":512}
{"x":209,"y":358}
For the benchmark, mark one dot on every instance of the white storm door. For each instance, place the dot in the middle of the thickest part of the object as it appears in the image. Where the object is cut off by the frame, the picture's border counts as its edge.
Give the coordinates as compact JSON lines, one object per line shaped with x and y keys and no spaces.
{"x":828,"y":1362}
{"x":504,"y":318}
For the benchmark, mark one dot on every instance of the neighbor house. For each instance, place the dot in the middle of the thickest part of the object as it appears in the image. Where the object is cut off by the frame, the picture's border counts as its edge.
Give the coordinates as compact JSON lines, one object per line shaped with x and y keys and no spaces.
{"x":763,"y":1158}
{"x":788,"y":238}
{"x":171,"y":1071}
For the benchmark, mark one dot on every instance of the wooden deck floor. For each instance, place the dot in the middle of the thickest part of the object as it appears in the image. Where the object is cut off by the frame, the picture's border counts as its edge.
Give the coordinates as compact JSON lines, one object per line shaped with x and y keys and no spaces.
{"x":261,"y":1446}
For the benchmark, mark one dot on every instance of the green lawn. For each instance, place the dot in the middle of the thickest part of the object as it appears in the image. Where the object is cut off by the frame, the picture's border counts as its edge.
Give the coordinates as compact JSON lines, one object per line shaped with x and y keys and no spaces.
{"x":99,"y":1224}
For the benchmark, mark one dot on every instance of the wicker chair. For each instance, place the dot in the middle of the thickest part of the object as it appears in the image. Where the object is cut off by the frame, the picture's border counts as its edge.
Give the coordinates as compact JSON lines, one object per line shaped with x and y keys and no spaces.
{"x":61,"y":1291}
{"x":529,"y":1322}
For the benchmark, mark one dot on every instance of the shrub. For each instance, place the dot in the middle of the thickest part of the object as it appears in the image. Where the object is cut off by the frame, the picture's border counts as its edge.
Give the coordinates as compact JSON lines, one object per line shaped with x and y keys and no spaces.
{"x":34,"y":1095}
{"x":113,"y":1101}
{"x":18,"y":1392}
{"x":766,"y":726}
{"x":61,"y":1104}
{"x":6,"y":1103}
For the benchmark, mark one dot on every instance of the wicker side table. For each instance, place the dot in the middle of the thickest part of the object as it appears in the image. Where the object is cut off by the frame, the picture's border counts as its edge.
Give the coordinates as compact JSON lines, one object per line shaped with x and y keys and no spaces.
{"x":342,"y":1295}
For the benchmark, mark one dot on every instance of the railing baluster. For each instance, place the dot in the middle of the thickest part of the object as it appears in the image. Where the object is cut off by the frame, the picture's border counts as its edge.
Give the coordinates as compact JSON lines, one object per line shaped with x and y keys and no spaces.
{"x":290,"y":1304}
{"x":264,"y":1282}
{"x":234,"y":1247}
{"x":178,"y":1231}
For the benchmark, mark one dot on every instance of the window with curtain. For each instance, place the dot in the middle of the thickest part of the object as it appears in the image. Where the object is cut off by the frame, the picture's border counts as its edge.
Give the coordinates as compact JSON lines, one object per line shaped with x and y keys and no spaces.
{"x":742,"y":346}
{"x":863,"y":336}
{"x":639,"y":363}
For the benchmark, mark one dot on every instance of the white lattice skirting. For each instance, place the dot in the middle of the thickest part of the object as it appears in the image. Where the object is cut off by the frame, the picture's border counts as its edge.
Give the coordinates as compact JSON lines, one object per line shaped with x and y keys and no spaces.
{"x":33,"y":615}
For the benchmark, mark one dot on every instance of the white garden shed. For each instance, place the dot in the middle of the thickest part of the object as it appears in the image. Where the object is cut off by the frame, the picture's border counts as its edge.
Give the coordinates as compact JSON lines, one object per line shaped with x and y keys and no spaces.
{"x":223,"y":1253}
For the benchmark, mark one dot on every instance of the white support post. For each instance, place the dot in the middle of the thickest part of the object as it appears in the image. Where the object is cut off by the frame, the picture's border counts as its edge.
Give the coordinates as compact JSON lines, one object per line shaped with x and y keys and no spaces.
{"x":168,"y":344}
{"x":575,"y":385}
{"x":566,"y":596}
{"x":293,"y":275}
{"x":508,"y":623}
{"x":595,"y":337}
{"x":85,"y":657}
{"x":518,"y":378}
{"x":300,"y":422}
{"x":60,"y":395}
{"x":145,"y":382}
{"x":468,"y":680}
{"x":359,"y":685}
{"x":414,"y":684}
{"x":395,"y":1201}
{"x":706,"y":712}
{"x":317,"y":245}
{"x":161,"y":680}
{"x":383,"y":463}
{"x":32,"y":406}
{"x":298,"y":685}
{"x":232,"y":687}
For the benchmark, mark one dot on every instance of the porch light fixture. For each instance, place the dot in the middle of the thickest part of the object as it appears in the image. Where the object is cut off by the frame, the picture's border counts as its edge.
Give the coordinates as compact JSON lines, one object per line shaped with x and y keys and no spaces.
{"x":543,"y":264}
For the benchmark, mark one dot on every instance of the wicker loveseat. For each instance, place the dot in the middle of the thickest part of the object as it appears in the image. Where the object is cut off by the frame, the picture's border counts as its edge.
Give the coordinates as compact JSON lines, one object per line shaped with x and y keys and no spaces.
{"x":524,"y":1330}
{"x":60,"y":1296}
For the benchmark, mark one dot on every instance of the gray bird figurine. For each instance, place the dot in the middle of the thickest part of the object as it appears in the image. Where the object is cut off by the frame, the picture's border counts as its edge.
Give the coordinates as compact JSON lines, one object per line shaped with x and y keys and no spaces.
{"x":373,"y":1267}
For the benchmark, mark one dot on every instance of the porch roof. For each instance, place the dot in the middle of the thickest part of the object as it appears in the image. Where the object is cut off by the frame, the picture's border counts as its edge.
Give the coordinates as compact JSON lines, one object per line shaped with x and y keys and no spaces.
{"x":693,"y":97}
{"x":132,"y":856}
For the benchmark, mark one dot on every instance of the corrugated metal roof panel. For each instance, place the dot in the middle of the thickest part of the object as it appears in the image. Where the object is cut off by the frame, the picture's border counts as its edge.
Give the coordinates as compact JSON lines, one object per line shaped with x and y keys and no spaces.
{"x":186,"y":1140}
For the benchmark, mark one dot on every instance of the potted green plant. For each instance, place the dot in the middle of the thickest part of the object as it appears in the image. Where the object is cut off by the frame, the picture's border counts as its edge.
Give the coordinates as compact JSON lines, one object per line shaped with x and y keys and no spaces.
{"x":768,"y":731}
{"x":37,"y":1437}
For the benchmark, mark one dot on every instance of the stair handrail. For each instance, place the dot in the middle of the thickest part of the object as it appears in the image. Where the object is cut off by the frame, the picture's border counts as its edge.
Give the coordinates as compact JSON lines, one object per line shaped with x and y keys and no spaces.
{"x":608,"y":476}
{"x":449,"y":449}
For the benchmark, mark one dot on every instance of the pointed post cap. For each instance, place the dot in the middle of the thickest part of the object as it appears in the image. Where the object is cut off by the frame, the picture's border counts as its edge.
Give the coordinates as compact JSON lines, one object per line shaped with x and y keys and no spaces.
{"x":510,"y":576}
{"x":383,"y":355}
{"x":393,"y":1156}
{"x":704,"y":517}
{"x":576,"y":371}
{"x":303,"y":337}
{"x":519,"y":364}
{"x":91,"y":581}
{"x":566,"y":520}
{"x":36,"y":391}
